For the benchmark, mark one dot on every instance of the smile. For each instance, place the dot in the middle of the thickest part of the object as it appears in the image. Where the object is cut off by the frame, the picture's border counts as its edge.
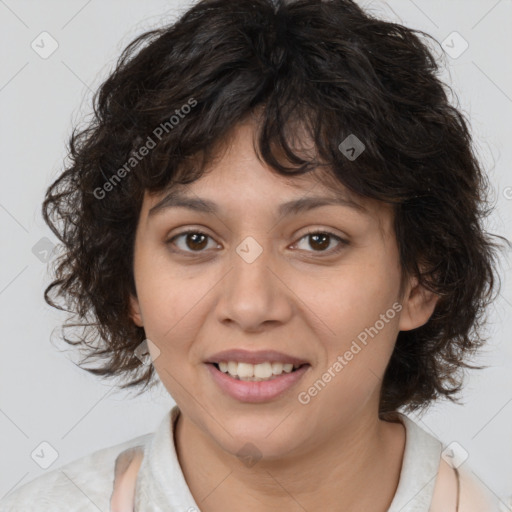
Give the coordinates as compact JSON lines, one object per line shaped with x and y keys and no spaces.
{"x":255,"y":383}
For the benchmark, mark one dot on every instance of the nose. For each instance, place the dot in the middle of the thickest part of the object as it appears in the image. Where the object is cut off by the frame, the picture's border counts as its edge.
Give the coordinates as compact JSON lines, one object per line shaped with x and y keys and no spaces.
{"x":254,"y":293}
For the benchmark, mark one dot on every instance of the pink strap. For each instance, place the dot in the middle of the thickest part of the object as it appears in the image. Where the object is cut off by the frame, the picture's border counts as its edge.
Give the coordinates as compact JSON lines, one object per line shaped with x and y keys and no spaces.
{"x":125,"y":476}
{"x":446,"y":496}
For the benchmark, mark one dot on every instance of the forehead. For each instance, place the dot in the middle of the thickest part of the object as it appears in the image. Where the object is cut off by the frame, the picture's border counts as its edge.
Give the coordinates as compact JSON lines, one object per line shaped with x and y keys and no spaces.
{"x":236,"y":179}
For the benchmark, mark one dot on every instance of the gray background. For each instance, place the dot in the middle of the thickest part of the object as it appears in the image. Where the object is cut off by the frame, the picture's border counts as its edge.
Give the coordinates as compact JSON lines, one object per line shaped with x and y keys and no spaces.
{"x":43,"y":395}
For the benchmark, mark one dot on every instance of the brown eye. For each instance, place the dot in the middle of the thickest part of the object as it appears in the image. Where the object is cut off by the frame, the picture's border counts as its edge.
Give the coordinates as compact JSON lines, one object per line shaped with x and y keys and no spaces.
{"x":194,"y":241}
{"x":321,"y":240}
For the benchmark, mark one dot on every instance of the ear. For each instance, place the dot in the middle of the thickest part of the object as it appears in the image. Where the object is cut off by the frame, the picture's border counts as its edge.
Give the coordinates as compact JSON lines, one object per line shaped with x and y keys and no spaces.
{"x":135,"y":312}
{"x":418,"y":305}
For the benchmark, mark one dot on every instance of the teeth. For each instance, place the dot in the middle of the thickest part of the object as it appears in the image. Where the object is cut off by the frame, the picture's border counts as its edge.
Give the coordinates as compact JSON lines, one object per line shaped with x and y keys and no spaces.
{"x":255,"y":372}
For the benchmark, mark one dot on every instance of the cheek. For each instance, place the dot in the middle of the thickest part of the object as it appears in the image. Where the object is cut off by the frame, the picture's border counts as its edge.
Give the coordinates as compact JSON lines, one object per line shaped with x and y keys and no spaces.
{"x":351,"y":299}
{"x":161,"y":292}
{"x":174,"y":308}
{"x":359,"y":316}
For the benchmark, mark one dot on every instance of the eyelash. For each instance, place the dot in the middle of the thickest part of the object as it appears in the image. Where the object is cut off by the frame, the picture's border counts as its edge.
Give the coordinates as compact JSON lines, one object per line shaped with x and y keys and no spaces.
{"x":341,"y":246}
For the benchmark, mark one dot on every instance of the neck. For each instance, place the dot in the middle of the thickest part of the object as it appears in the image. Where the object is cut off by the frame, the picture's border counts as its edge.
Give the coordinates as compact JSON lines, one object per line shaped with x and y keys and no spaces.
{"x":355,"y":468}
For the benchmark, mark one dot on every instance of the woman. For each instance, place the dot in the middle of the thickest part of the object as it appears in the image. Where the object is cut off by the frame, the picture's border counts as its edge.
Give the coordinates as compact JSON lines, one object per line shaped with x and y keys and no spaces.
{"x":277,"y":204}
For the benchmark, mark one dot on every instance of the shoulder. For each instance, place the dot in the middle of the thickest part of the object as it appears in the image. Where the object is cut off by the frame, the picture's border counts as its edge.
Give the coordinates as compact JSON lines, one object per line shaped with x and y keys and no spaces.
{"x":426,"y":472}
{"x":473,"y":495}
{"x":81,"y":485}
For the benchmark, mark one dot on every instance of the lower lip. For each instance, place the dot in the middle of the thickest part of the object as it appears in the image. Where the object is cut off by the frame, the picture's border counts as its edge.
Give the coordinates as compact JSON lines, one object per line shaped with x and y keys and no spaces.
{"x":262,"y":391}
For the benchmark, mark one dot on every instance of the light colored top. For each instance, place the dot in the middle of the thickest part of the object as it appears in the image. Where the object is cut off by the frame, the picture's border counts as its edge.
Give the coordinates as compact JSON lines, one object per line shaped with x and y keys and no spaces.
{"x":144,"y":475}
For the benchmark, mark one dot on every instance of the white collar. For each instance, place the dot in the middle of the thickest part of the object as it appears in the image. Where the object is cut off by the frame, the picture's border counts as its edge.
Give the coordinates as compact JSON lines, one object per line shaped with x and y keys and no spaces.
{"x":420,"y":467}
{"x":161,"y":485}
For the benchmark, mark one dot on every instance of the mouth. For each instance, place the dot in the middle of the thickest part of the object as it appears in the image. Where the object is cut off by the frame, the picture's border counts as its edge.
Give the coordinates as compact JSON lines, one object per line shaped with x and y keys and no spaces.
{"x":261,"y":372}
{"x":252,"y":388}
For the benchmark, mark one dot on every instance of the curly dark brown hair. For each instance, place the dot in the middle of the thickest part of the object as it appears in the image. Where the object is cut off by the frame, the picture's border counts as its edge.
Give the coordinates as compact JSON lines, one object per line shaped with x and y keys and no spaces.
{"x":327,"y":68}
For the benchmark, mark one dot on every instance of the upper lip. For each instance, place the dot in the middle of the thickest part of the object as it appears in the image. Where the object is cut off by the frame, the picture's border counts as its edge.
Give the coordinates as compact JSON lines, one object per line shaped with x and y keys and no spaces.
{"x":260,"y":356}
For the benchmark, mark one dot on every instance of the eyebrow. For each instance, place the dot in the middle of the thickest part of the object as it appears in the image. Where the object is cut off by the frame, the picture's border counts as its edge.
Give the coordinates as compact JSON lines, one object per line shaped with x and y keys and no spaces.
{"x":176,"y":199}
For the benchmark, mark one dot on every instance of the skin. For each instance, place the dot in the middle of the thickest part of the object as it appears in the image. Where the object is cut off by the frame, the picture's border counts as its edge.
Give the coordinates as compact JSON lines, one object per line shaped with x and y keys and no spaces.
{"x":295,"y":298}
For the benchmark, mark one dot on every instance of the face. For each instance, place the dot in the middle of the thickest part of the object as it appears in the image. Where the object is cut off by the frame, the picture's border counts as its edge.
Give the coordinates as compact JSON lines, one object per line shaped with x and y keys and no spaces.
{"x":256,"y":278}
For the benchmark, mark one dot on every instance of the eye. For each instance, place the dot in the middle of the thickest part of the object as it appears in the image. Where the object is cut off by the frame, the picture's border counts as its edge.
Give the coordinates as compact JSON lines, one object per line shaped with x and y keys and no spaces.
{"x":194,"y":239}
{"x":321,"y":239}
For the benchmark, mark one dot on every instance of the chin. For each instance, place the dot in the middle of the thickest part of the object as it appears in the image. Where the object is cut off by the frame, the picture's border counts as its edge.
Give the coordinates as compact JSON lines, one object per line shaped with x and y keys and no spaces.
{"x":268,"y":440}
